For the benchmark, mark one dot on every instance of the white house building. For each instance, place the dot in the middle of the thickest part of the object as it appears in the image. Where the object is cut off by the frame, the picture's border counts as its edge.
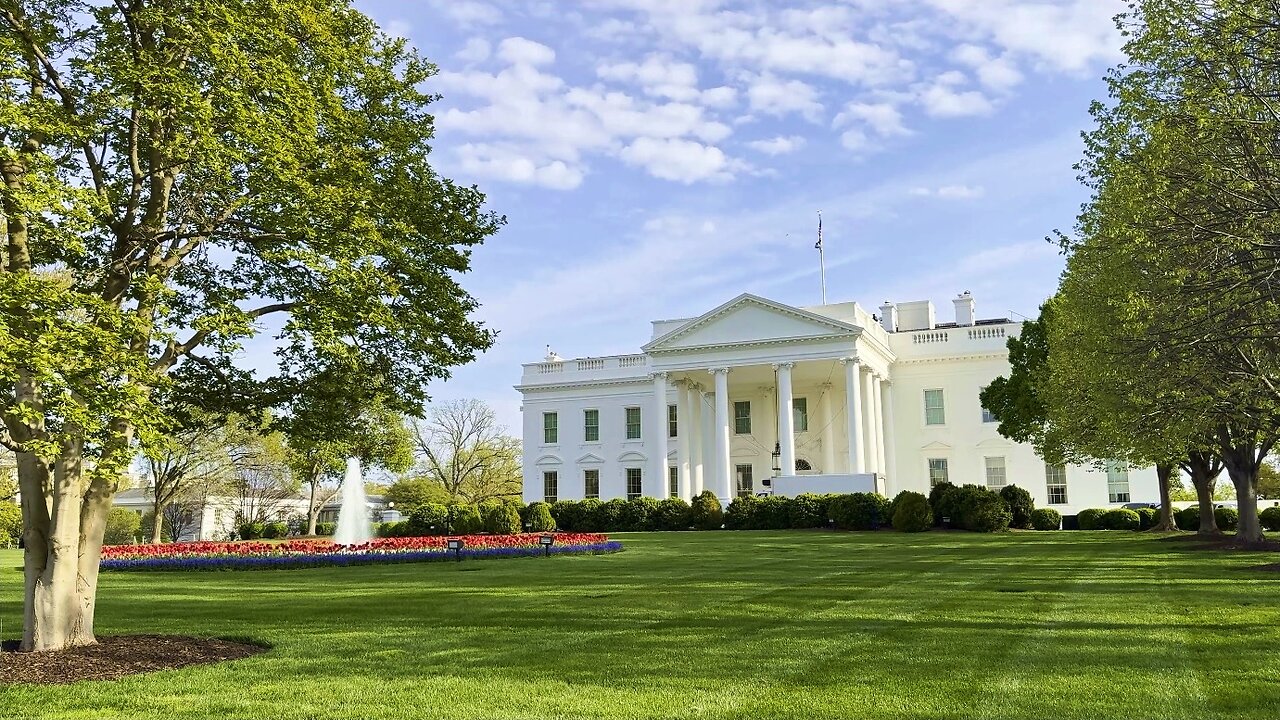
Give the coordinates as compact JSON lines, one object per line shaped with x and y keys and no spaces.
{"x":756,"y":397}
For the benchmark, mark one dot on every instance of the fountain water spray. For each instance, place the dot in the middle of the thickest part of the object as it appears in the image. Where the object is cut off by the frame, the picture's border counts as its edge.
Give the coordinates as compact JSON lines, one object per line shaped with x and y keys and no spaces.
{"x":353,"y":517}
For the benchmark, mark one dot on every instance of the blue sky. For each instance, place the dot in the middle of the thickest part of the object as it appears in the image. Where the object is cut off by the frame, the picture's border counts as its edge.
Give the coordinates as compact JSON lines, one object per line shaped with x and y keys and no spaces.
{"x":655,"y":158}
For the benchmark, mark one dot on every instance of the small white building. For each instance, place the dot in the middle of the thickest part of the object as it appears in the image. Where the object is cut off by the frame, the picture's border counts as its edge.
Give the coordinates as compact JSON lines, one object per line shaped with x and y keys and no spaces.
{"x":756,"y":396}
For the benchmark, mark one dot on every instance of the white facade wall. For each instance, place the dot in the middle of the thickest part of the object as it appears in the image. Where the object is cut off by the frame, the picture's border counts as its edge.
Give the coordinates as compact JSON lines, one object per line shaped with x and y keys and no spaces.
{"x":753,"y":337}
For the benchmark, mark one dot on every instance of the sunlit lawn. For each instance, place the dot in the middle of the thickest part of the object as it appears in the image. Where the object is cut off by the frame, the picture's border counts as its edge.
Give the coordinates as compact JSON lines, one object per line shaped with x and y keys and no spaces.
{"x":749,"y":624}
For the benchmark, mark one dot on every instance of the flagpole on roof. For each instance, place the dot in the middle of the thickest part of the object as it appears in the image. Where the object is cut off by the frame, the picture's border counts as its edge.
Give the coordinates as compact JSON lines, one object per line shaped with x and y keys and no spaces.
{"x":822,"y":261}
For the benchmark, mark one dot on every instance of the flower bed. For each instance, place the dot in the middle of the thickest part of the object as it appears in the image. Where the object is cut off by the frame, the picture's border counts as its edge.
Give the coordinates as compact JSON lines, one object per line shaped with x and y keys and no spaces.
{"x":206,"y":555}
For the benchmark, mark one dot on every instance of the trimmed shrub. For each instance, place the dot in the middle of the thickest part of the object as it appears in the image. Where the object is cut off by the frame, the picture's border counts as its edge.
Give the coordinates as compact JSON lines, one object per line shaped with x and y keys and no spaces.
{"x":428,"y":519}
{"x":1228,"y":518}
{"x":741,"y":513}
{"x":1020,"y":506}
{"x":773,"y":512}
{"x":1091,"y":519}
{"x":503,"y":519}
{"x":391,"y":529}
{"x":540,"y":519}
{"x":1046,"y":519}
{"x":1121,"y":519}
{"x":860,"y":511}
{"x":122,"y":527}
{"x":942,"y":500}
{"x":248,"y":530}
{"x":1148,"y":517}
{"x":1270,"y":518}
{"x":5,"y":540}
{"x":326,"y":528}
{"x":637,"y":514}
{"x":1188,"y":518}
{"x":275,"y":530}
{"x":589,"y":516}
{"x":807,"y":511}
{"x":609,"y":517}
{"x":705,"y":512}
{"x":986,"y":512}
{"x":671,"y":514}
{"x":912,"y":512}
{"x":568,"y":515}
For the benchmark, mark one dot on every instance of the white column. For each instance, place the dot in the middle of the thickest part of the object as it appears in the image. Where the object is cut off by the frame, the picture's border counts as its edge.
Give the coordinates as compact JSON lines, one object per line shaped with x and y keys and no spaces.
{"x":828,"y":433}
{"x":853,"y":413}
{"x":707,"y":476}
{"x":868,"y":419}
{"x":696,"y":439}
{"x":879,"y":423}
{"x":657,"y":485}
{"x":724,"y":482}
{"x":786,"y":419}
{"x":685,"y":432}
{"x":891,"y":465}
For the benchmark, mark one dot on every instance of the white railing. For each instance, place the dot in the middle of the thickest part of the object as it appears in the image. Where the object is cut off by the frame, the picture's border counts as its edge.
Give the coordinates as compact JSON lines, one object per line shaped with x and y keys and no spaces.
{"x":550,"y":367}
{"x":590,"y":364}
{"x":627,"y":361}
{"x":986,"y":333}
{"x":930,"y":337}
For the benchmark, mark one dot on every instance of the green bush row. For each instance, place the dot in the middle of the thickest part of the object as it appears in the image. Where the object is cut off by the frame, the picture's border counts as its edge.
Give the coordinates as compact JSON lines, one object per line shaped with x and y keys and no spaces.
{"x":976,"y":508}
{"x":1112,"y":519}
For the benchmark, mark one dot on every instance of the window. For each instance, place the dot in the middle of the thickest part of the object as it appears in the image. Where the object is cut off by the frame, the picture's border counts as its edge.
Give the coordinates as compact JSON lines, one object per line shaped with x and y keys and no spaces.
{"x":995,"y":472}
{"x":633,"y":423}
{"x":550,"y":428}
{"x":550,"y":485}
{"x":1055,"y":479}
{"x":591,"y":483}
{"x":742,"y":417}
{"x":591,"y":425}
{"x":937,"y":471}
{"x":800,"y":414}
{"x":745,"y":485}
{"x":934,"y":413}
{"x":987,"y":415}
{"x":1117,"y":483}
{"x":803,"y":465}
{"x":634,"y":483}
{"x":673,"y":481}
{"x":673,"y":425}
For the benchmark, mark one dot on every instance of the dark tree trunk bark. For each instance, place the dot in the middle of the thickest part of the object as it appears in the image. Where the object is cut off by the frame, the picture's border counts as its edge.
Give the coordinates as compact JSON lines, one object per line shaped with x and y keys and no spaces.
{"x":1242,"y":467}
{"x":1204,"y":470}
{"x":1166,"y":522}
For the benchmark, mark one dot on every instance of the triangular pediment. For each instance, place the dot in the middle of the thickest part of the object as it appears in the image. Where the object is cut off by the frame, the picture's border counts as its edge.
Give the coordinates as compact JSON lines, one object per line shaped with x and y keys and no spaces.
{"x":936,"y":446}
{"x":750,"y":319}
{"x":590,"y":459}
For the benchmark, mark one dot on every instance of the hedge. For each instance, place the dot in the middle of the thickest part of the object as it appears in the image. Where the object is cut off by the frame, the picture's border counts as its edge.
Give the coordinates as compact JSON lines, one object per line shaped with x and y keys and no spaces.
{"x":942,"y":500}
{"x":428,"y":519}
{"x":1270,"y":518}
{"x":1228,"y":519}
{"x":539,"y":518}
{"x":1046,"y":519}
{"x":912,"y":512}
{"x":808,"y":511}
{"x":1148,"y":518}
{"x":672,"y":514}
{"x":1091,"y":519}
{"x":123,"y":525}
{"x":860,"y":511}
{"x":1121,"y":519}
{"x":1188,"y":518}
{"x":503,"y":519}
{"x":1020,"y":506}
{"x":705,"y":513}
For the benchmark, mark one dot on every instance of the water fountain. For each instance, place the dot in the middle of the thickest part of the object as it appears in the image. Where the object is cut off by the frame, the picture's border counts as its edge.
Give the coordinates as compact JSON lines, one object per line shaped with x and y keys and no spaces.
{"x":353,"y":517}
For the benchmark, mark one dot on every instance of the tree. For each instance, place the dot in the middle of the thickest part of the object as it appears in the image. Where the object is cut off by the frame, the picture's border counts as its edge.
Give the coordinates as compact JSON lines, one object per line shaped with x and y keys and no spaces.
{"x":8,"y":476}
{"x":1172,"y":282}
{"x":462,"y":449}
{"x":191,"y":171}
{"x":260,"y":479}
{"x":410,"y":493}
{"x":183,"y":469}
{"x":1269,"y":481}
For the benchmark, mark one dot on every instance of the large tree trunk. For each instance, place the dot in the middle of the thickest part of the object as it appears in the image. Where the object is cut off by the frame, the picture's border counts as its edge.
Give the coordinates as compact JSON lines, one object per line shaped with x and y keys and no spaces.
{"x":157,"y":523}
{"x":1203,"y":479}
{"x":313,"y":510}
{"x":1166,"y":523}
{"x":1242,"y":467}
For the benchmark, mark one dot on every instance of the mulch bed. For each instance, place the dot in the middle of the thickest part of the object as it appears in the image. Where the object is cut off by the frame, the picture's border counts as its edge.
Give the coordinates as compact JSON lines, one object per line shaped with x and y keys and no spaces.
{"x":116,"y":657}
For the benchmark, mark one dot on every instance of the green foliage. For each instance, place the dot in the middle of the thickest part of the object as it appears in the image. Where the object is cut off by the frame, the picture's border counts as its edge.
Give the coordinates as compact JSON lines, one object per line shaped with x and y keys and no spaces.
{"x":986,"y":512}
{"x":860,"y":511}
{"x":1021,"y":505}
{"x":7,"y":540}
{"x":672,"y":514}
{"x":590,"y":516}
{"x":465,"y":519}
{"x":1270,"y":518}
{"x":248,"y":530}
{"x":1121,"y":519}
{"x":705,"y":513}
{"x":942,"y":500}
{"x":123,"y":526}
{"x":408,"y":494}
{"x":637,"y":514}
{"x":740,"y":515}
{"x":808,"y":511}
{"x":773,"y":512}
{"x":611,"y":515}
{"x":1268,"y":481}
{"x":148,"y":525}
{"x":568,"y":515}
{"x":1018,"y":401}
{"x":539,"y":518}
{"x":1188,"y":518}
{"x":1046,"y":519}
{"x":1091,"y":519}
{"x":402,"y":528}
{"x":503,"y":520}
{"x":912,"y":512}
{"x":275,"y":530}
{"x":1227,"y":518}
{"x":428,"y":519}
{"x":326,"y":529}
{"x":1148,"y":517}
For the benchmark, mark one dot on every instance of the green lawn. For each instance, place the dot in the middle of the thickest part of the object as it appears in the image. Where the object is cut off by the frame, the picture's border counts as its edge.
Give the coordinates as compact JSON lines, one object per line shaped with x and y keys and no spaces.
{"x":745,"y":624}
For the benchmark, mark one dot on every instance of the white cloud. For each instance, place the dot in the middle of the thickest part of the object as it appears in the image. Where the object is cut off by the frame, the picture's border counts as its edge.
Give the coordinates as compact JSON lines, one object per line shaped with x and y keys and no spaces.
{"x":942,"y":100}
{"x":719,"y":97}
{"x":469,"y":12}
{"x":773,"y":96}
{"x":882,"y":117}
{"x":995,"y":73}
{"x":658,"y":76}
{"x":476,"y":50}
{"x":522,"y":51}
{"x":505,"y":163}
{"x":780,"y":145}
{"x":950,"y":192}
{"x":397,"y":28}
{"x":684,"y":161}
